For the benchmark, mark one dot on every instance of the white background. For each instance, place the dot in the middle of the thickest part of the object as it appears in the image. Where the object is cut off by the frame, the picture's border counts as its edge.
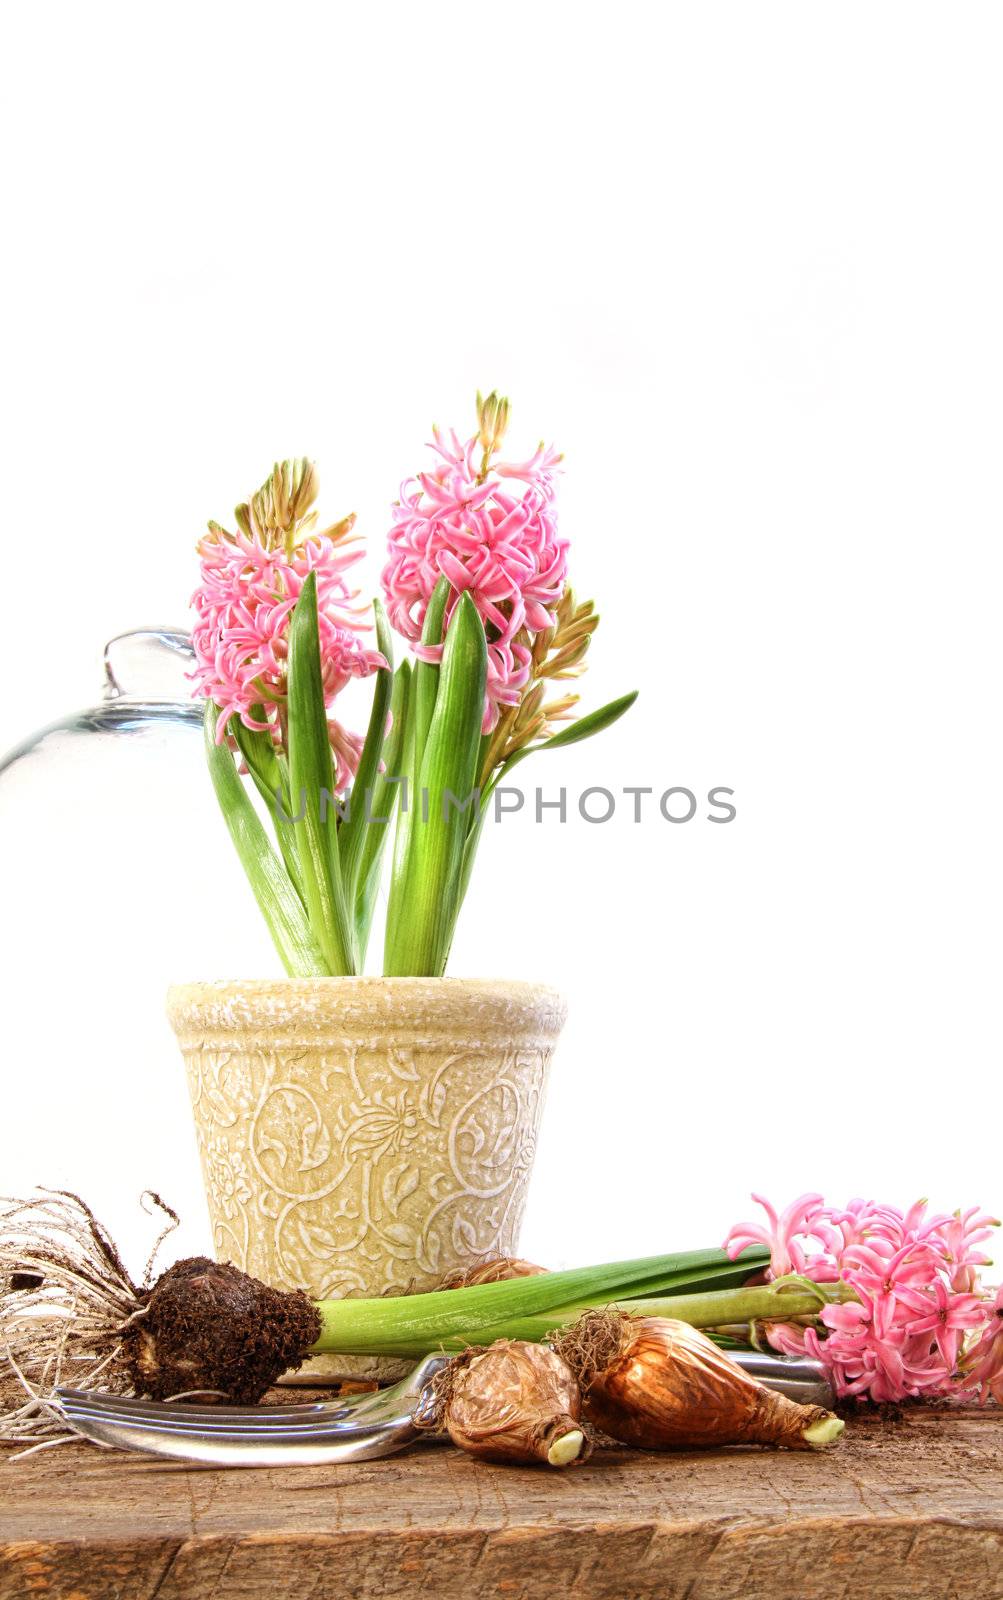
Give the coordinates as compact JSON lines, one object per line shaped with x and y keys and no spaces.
{"x":743,"y":263}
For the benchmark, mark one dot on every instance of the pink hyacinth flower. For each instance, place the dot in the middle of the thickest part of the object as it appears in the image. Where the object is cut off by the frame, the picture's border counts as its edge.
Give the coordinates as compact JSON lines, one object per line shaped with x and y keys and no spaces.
{"x":492,"y":532}
{"x":944,"y":1314}
{"x":921,"y":1323}
{"x":984,"y":1376}
{"x":244,"y":605}
{"x":782,"y":1236}
{"x":962,"y":1235}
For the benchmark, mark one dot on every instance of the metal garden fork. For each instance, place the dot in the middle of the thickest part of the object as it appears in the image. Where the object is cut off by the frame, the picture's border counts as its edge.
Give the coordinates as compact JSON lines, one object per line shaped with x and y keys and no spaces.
{"x":357,"y":1427}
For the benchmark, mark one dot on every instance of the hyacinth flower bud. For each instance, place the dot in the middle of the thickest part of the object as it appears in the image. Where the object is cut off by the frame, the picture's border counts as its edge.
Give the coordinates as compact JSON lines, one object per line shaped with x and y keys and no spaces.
{"x":567,"y":661}
{"x":492,"y":421}
{"x":339,"y":530}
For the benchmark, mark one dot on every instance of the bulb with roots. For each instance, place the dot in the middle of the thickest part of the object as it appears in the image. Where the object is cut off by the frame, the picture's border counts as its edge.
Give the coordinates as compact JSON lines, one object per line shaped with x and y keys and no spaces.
{"x":70,"y":1313}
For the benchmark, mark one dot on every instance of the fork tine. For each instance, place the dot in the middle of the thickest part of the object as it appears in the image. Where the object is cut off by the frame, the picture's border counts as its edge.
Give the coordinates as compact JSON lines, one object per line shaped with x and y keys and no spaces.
{"x":114,"y":1406}
{"x":236,"y":1450}
{"x":188,"y":1408}
{"x":372,"y":1406}
{"x":133,"y":1427}
{"x":151,"y":1422}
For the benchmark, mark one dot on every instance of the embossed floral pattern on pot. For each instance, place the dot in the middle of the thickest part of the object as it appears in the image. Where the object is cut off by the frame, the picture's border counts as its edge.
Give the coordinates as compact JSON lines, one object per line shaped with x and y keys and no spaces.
{"x":363,"y":1136}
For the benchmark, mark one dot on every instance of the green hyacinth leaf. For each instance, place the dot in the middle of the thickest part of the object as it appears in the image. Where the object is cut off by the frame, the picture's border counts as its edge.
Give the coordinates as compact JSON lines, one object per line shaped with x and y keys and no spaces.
{"x":267,"y":770}
{"x":581,"y":728}
{"x":425,"y":894}
{"x":426,"y":673}
{"x":421,"y":702}
{"x":279,"y":902}
{"x":311,"y":783}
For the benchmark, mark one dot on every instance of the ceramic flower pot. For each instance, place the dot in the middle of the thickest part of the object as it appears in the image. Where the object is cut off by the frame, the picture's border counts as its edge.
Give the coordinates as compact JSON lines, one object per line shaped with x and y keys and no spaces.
{"x":362,"y":1135}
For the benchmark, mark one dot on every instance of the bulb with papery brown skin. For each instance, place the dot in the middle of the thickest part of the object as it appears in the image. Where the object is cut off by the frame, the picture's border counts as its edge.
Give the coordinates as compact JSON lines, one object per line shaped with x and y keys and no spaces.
{"x":499,"y":1269}
{"x":659,"y":1384}
{"x":516,"y":1402}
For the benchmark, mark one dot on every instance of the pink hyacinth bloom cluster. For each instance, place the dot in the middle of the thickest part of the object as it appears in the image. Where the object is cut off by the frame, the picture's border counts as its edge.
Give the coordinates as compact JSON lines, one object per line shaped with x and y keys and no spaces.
{"x":921,"y":1323}
{"x":493,"y":533}
{"x":249,"y":590}
{"x":984,"y":1363}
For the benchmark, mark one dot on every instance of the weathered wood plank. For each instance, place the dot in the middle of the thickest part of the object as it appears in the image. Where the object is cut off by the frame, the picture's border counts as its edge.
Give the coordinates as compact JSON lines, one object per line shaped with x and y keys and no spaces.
{"x":911,"y":1510}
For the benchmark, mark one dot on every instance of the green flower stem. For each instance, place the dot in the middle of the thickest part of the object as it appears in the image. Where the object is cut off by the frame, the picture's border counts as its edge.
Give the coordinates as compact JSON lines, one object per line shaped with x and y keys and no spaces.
{"x":411,"y":1325}
{"x":712,"y":1310}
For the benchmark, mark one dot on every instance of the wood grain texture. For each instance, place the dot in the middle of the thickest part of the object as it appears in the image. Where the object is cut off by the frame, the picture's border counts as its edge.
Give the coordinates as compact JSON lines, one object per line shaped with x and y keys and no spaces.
{"x":907,"y":1510}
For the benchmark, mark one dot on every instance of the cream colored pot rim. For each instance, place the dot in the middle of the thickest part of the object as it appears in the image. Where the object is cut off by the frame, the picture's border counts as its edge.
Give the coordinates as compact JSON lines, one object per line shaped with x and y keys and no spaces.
{"x":211,"y":986}
{"x":269,"y":998}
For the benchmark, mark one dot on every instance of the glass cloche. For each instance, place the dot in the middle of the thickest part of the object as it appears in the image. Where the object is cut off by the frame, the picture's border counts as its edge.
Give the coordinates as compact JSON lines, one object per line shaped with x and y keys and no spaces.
{"x":117,"y":878}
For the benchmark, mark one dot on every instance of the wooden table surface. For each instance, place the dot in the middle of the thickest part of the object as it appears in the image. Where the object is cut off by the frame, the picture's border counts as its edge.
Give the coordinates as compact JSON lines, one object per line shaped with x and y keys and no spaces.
{"x":904,"y":1510}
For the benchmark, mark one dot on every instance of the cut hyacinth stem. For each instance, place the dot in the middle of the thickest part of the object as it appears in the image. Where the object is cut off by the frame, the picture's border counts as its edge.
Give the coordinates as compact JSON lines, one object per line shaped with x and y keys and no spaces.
{"x":274,"y":891}
{"x":311,"y":782}
{"x":708,"y":1310}
{"x":424,"y":896}
{"x":352,"y":1327}
{"x":531,"y":1307}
